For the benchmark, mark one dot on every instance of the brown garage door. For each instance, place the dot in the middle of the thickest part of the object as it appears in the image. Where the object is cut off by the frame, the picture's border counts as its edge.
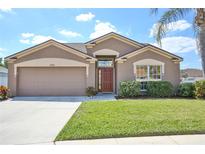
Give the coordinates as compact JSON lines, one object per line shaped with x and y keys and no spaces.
{"x":58,"y":81}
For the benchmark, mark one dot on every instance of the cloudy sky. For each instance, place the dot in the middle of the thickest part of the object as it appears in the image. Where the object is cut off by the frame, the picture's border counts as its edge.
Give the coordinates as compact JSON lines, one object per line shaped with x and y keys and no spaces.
{"x":23,"y":28}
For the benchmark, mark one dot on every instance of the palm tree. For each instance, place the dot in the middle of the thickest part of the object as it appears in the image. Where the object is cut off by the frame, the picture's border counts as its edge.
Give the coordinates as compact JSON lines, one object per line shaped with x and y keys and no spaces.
{"x":175,"y":14}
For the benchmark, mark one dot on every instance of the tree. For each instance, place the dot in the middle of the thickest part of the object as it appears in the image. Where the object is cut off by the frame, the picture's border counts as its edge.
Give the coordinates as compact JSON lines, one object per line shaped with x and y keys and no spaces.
{"x":3,"y":63}
{"x":171,"y":15}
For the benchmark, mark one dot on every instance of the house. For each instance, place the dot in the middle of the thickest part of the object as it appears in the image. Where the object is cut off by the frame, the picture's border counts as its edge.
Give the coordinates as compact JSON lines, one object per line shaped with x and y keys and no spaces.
{"x":191,"y":75}
{"x":3,"y":76}
{"x":56,"y":69}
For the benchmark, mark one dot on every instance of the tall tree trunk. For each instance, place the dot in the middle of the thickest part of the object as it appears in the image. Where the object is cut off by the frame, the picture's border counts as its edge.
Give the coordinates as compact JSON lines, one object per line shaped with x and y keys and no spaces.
{"x":201,"y":46}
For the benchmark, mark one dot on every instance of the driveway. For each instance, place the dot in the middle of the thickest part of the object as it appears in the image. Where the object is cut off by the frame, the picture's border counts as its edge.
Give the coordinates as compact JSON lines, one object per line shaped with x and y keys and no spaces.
{"x":33,"y":122}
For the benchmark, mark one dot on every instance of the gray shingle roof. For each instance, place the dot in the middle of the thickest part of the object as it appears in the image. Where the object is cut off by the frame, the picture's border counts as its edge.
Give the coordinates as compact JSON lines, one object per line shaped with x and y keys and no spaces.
{"x":79,"y":46}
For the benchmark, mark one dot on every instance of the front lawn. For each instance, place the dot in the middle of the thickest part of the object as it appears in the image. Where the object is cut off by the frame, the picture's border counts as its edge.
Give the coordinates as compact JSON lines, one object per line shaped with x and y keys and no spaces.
{"x":124,"y":118}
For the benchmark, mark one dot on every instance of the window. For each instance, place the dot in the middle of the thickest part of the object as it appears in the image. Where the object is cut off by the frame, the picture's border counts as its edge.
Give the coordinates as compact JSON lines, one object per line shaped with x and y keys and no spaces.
{"x":142,"y":72}
{"x":105,"y":63}
{"x":154,"y":72}
{"x":143,"y":86}
{"x":148,"y":72}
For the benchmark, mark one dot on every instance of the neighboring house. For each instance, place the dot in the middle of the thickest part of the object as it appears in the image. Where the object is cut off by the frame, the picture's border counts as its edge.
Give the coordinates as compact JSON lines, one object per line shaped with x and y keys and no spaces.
{"x":191,"y":75}
{"x":54,"y":68}
{"x":3,"y":76}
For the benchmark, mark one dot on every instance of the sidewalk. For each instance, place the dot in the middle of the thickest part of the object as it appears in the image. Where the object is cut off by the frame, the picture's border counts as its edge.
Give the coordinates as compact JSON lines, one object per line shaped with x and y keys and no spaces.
{"x":174,"y":139}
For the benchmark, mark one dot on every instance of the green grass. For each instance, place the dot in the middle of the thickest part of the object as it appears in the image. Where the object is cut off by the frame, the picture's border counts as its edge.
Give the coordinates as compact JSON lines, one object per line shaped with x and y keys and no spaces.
{"x":125,"y":118}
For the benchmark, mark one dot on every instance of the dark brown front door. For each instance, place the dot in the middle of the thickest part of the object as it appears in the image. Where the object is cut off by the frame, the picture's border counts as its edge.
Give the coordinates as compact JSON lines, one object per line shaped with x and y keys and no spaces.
{"x":106,"y":79}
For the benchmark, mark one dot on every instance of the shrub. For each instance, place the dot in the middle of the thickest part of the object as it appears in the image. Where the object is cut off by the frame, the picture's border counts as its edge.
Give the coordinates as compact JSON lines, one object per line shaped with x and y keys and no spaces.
{"x":200,"y":89}
{"x":3,"y":92}
{"x":186,"y":90}
{"x":90,"y":91}
{"x":129,"y":89}
{"x":159,"y":89}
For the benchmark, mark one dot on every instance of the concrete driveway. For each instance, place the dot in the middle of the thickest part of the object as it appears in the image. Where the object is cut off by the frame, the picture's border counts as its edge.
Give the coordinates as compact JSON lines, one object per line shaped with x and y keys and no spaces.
{"x":33,"y":122}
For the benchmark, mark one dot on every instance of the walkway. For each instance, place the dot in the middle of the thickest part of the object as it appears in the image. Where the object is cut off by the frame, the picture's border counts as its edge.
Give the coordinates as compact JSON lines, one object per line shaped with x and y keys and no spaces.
{"x":174,"y":139}
{"x":98,"y":97}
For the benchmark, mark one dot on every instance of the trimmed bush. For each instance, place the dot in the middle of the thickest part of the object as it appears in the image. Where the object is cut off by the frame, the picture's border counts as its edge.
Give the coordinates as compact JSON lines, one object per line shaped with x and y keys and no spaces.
{"x":90,"y":91}
{"x":4,"y":91}
{"x":129,"y":89}
{"x":159,"y":88}
{"x":200,"y":89}
{"x":186,"y":90}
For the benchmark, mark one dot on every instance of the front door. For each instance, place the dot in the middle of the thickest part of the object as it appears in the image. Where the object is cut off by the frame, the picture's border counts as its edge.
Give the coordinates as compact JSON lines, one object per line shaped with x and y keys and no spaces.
{"x":106,"y":79}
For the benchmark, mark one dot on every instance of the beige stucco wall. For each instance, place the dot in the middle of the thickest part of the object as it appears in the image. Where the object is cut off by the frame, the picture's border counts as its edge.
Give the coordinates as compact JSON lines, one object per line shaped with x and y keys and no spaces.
{"x":112,"y":44}
{"x":125,"y":70}
{"x":48,"y":52}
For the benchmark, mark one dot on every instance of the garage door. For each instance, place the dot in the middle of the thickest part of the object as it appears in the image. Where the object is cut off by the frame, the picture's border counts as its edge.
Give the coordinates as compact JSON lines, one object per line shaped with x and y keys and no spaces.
{"x":56,"y":81}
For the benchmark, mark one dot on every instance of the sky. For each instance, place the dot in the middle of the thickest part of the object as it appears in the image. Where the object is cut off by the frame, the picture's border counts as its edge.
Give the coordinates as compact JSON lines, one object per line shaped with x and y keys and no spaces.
{"x":23,"y":28}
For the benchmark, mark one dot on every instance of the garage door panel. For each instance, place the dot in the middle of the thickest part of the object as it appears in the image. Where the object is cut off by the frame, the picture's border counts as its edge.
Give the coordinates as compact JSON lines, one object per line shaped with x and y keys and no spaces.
{"x":62,"y":81}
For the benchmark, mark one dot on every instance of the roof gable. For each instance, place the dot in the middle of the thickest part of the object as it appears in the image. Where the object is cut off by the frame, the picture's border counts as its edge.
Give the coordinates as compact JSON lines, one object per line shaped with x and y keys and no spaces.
{"x":152,"y":48}
{"x":129,"y":41}
{"x":47,"y":44}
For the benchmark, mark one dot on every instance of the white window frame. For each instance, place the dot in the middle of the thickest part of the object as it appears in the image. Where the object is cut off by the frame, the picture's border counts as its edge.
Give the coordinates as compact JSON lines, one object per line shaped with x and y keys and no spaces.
{"x":148,"y":63}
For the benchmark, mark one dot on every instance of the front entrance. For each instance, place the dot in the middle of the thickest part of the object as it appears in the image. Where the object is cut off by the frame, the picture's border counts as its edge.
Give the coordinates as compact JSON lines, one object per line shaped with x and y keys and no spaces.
{"x":105,"y":75}
{"x":106,"y":79}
